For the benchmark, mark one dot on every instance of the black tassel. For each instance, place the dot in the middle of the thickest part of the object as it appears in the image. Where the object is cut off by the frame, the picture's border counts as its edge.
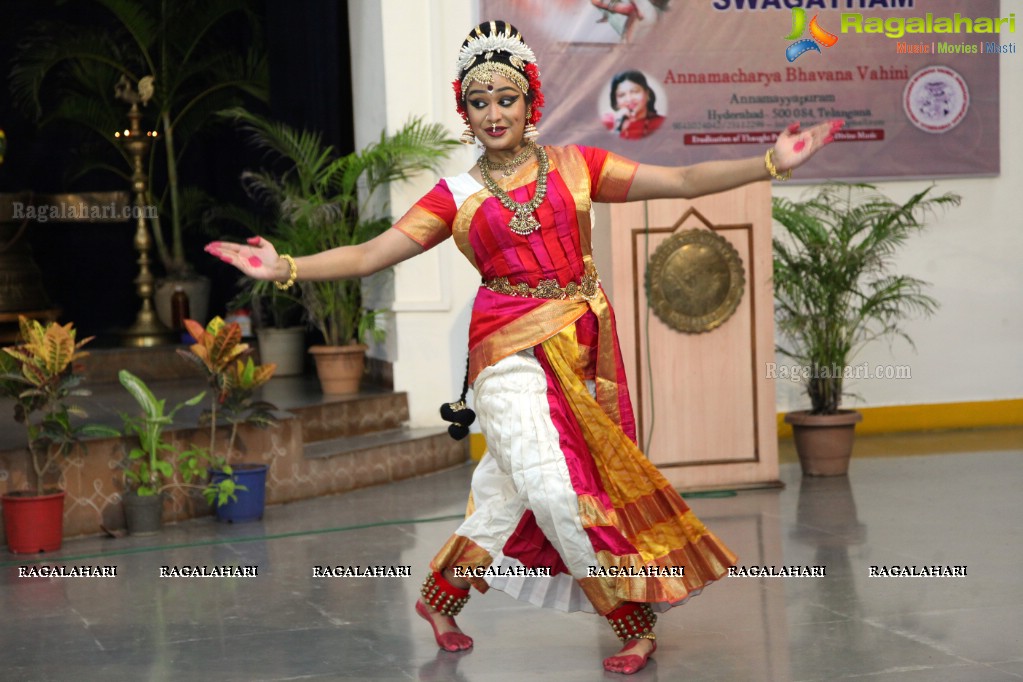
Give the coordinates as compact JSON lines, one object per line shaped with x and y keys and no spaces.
{"x":458,"y":413}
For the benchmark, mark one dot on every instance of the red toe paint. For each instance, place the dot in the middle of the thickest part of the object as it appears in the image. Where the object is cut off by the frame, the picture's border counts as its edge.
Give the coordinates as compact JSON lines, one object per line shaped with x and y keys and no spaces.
{"x":449,"y":641}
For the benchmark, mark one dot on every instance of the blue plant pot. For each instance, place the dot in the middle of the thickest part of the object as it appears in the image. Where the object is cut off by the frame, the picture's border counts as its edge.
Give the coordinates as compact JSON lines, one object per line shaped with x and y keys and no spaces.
{"x":250,"y":503}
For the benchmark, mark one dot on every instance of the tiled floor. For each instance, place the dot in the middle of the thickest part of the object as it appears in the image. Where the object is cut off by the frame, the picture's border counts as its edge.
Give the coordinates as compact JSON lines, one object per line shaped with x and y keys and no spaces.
{"x":958,"y":508}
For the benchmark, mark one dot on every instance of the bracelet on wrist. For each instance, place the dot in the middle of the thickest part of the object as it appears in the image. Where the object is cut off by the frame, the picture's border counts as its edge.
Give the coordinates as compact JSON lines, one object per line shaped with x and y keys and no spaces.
{"x":292,"y":274}
{"x":772,"y":169}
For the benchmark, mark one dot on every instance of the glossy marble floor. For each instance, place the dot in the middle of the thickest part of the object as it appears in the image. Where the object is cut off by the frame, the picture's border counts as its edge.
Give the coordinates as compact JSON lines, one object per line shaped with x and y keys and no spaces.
{"x":953,"y":507}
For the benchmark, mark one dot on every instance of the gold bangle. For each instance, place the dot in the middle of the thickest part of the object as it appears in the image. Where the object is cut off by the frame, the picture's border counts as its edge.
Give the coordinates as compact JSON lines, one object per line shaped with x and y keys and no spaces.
{"x":292,"y":274}
{"x":772,"y":169}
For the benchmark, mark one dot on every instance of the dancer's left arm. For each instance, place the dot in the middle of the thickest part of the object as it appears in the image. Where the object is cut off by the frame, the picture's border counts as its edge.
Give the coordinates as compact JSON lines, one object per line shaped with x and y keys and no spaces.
{"x":793,"y":148}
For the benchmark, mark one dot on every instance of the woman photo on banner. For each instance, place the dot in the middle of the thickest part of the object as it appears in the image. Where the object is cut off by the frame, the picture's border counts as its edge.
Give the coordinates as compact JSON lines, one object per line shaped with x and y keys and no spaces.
{"x":633,"y":114}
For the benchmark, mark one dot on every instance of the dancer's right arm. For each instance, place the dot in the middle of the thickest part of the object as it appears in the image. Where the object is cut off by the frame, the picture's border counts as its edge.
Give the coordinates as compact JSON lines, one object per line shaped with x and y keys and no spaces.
{"x":259,"y":259}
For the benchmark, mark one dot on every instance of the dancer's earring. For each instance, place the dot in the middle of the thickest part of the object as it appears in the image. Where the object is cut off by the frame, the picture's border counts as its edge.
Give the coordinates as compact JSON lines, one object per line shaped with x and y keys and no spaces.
{"x":468,"y":137}
{"x":530,"y":132}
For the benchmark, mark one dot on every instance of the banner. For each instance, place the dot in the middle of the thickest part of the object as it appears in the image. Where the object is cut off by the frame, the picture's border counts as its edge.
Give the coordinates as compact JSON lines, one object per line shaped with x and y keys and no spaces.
{"x":673,"y":83}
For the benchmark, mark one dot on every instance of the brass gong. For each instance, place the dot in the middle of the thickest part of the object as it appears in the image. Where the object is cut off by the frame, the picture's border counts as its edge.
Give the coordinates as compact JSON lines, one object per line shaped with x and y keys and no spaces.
{"x":695,"y":280}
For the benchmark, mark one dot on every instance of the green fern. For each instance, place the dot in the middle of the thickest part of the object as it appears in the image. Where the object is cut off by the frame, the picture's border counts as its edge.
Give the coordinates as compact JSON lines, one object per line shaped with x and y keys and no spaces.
{"x":322,"y":201}
{"x":834,"y":291}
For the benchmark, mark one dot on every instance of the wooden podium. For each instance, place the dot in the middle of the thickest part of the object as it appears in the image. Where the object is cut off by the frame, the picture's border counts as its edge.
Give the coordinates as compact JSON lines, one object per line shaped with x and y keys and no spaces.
{"x":704,"y":405}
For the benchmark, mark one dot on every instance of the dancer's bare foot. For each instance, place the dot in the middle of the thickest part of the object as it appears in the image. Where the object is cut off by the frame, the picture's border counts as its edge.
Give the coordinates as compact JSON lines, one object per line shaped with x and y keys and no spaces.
{"x":632,"y":658}
{"x":447,"y":633}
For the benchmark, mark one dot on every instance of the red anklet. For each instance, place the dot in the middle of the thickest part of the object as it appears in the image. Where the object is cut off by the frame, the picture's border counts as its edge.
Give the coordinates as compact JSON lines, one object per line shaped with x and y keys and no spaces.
{"x":441,"y":595}
{"x":632,"y":620}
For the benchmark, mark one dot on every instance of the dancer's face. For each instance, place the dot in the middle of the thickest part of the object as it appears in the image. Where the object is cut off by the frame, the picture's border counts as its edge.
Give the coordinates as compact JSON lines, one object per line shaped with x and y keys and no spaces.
{"x":497,"y":113}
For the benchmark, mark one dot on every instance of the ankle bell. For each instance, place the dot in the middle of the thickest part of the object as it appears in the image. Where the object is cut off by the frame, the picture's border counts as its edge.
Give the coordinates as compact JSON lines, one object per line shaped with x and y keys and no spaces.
{"x":442,"y":596}
{"x":633,"y":621}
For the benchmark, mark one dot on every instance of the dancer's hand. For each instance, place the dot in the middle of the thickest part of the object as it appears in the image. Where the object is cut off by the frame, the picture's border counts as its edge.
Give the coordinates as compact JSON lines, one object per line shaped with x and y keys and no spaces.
{"x":257,"y":258}
{"x":794,"y":147}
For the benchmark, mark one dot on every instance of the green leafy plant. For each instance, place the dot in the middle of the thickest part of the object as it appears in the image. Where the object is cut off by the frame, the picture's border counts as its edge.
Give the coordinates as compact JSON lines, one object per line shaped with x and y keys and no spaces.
{"x":322,"y":201}
{"x":71,"y":72}
{"x":234,"y":380}
{"x":271,"y":307}
{"x":150,"y":470}
{"x":833,"y":282}
{"x":39,"y":374}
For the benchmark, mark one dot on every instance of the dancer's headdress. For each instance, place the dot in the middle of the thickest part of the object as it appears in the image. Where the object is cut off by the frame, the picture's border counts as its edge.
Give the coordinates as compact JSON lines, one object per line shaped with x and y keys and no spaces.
{"x":497,"y":48}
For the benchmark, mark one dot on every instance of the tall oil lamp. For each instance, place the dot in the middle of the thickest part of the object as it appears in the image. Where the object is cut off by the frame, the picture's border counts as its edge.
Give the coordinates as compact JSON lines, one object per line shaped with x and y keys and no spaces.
{"x":147,"y":329}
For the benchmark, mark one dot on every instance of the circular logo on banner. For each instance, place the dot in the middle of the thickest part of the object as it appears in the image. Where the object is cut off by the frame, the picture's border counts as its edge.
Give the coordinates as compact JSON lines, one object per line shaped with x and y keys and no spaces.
{"x":936,"y":99}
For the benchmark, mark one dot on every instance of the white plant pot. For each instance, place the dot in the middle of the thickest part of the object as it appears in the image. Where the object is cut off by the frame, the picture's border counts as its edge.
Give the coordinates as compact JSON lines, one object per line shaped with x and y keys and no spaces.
{"x":284,"y":347}
{"x":198,"y":290}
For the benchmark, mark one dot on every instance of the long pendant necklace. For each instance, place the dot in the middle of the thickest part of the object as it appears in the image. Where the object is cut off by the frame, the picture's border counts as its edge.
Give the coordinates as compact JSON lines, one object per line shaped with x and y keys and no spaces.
{"x":523,"y":221}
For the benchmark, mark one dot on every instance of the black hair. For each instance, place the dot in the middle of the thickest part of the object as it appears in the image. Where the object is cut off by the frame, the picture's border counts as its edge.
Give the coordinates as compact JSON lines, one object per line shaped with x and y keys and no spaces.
{"x":639,"y":79}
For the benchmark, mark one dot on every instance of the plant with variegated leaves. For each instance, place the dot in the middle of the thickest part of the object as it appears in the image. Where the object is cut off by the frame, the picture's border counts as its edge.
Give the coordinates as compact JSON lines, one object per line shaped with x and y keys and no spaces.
{"x":39,"y":374}
{"x":234,"y":380}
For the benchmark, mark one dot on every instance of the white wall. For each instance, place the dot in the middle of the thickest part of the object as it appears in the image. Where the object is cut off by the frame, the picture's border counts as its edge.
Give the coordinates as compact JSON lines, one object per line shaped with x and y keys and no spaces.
{"x":969,"y":351}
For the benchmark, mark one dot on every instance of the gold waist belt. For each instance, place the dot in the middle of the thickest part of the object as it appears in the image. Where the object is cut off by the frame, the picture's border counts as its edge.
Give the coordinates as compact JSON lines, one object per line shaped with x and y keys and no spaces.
{"x":584,"y":289}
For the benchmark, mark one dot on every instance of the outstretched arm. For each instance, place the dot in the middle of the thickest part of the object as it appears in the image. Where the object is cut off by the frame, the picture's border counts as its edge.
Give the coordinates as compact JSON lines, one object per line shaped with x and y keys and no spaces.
{"x":793,"y":148}
{"x":259,"y":259}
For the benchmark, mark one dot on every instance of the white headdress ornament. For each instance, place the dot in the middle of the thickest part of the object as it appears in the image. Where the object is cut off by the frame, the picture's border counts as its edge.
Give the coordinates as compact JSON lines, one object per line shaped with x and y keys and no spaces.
{"x":494,"y":43}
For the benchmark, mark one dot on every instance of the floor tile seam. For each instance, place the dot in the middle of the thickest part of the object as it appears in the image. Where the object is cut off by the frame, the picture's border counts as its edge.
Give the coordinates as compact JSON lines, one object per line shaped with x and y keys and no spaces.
{"x":993,"y":667}
{"x":962,"y":609}
{"x":914,"y":637}
{"x":887,"y":671}
{"x":229,"y":636}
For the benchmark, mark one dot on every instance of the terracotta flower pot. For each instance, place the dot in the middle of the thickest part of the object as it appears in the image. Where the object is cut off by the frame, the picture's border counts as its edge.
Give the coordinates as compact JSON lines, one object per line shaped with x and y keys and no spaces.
{"x":824,"y":441}
{"x":340,"y":368}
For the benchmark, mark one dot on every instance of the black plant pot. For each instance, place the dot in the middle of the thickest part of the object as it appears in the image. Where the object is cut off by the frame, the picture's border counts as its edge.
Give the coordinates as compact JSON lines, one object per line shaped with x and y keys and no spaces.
{"x":144,"y":515}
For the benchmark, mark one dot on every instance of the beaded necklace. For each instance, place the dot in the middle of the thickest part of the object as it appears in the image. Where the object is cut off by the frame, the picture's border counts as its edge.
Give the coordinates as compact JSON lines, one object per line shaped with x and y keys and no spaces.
{"x":523,"y":221}
{"x":508,"y":168}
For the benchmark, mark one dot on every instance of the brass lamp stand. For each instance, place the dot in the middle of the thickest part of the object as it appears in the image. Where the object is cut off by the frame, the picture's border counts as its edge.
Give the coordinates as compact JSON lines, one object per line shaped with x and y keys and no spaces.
{"x":147,"y":329}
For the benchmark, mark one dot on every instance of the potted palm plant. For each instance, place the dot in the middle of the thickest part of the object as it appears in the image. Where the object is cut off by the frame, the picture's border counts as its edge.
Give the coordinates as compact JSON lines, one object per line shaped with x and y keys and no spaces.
{"x":323,"y":201}
{"x":149,"y":468}
{"x":177,"y":54}
{"x":835,"y":291}
{"x":41,"y":376}
{"x":237,"y":489}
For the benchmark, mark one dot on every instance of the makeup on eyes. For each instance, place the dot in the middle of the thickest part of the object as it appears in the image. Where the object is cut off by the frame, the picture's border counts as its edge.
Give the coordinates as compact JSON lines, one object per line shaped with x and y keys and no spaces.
{"x":504,"y":102}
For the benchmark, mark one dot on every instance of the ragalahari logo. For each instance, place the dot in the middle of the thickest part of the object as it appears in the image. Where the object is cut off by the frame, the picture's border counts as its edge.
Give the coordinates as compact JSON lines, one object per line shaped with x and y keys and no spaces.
{"x":818,"y":36}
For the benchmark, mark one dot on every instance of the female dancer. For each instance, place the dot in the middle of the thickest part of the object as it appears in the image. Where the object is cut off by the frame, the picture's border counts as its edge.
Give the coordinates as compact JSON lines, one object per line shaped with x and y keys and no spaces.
{"x":565,"y":511}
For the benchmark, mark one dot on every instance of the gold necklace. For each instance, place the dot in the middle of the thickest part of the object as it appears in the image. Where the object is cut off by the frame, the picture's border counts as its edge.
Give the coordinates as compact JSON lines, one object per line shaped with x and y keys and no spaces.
{"x":523,"y":221}
{"x":509,"y":167}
